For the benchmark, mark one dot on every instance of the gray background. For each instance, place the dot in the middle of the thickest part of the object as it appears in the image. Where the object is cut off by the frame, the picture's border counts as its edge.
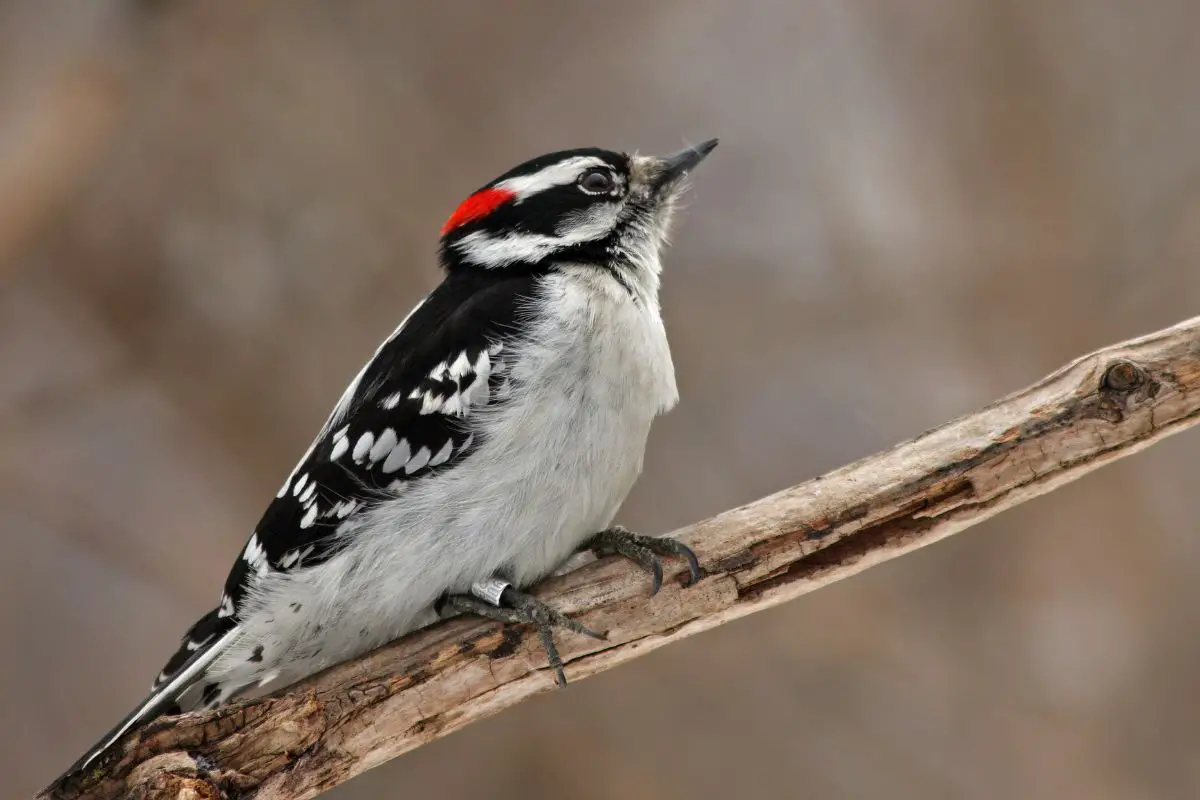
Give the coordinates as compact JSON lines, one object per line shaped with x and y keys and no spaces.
{"x":210,"y":213}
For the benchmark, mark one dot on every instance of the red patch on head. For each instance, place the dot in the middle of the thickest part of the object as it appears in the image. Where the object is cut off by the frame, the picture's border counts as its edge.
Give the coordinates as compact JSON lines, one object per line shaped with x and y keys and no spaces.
{"x":477,"y":206}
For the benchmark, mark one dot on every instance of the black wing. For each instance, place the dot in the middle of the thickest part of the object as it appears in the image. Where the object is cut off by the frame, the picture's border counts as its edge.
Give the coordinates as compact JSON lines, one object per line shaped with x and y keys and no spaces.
{"x":406,"y":415}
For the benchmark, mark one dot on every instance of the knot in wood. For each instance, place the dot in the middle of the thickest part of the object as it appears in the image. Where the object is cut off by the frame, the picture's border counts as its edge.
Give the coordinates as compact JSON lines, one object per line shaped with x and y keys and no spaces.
{"x":1123,"y":377}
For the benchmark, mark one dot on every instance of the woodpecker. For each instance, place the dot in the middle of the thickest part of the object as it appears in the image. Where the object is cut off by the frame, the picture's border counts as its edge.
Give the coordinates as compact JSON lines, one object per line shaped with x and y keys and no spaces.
{"x":494,"y":434}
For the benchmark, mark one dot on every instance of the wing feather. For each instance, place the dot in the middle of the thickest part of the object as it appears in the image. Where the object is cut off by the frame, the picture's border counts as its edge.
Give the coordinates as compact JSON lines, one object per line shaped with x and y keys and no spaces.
{"x":405,"y":416}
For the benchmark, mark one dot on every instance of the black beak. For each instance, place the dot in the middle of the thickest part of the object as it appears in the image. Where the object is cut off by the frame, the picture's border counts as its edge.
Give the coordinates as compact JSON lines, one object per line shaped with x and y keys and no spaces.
{"x":677,"y":165}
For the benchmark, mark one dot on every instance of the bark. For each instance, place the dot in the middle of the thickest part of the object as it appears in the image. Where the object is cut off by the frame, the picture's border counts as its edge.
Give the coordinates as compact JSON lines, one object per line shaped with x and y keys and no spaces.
{"x":325,"y":730}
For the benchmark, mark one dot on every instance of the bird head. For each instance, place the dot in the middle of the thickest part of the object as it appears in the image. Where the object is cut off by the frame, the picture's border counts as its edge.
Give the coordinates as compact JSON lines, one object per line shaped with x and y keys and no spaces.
{"x":587,"y":206}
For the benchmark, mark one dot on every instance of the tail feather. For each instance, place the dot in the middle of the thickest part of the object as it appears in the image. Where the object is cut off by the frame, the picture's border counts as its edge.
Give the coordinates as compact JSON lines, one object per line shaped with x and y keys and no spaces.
{"x":165,"y":693}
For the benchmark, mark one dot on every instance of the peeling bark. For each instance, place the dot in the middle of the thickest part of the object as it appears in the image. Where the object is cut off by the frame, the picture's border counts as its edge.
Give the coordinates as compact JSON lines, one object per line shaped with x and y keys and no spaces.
{"x":355,"y":716}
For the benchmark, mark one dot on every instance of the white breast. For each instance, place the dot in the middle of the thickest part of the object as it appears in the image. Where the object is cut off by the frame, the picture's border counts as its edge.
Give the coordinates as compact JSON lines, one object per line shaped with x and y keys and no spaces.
{"x":552,"y":467}
{"x":594,"y":375}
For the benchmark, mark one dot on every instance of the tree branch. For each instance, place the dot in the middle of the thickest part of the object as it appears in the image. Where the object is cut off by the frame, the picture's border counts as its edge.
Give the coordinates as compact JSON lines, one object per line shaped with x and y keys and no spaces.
{"x":358,"y":715}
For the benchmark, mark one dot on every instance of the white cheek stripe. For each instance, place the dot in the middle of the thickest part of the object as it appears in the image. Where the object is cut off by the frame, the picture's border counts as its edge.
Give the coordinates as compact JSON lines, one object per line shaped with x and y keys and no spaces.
{"x":486,"y":250}
{"x":560,"y":174}
{"x":490,"y":250}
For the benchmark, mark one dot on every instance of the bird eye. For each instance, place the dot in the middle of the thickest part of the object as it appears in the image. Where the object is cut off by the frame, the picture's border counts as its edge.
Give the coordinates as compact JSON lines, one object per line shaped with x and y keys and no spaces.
{"x":596,"y":181}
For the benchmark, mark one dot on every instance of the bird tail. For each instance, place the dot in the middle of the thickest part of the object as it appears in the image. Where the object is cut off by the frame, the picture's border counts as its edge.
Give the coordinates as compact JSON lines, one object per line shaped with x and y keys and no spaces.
{"x":165,"y":693}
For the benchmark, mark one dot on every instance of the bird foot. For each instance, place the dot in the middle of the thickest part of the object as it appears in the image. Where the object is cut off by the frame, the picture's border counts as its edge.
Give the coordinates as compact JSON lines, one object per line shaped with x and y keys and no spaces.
{"x":645,"y":550}
{"x":499,"y":601}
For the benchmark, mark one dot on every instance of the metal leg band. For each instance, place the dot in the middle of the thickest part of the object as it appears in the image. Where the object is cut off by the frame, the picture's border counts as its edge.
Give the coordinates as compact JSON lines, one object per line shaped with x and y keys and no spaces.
{"x":489,"y":591}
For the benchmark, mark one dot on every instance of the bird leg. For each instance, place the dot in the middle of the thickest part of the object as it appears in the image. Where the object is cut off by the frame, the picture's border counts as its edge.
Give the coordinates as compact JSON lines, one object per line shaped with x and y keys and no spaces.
{"x":645,"y":550}
{"x":498,"y":600}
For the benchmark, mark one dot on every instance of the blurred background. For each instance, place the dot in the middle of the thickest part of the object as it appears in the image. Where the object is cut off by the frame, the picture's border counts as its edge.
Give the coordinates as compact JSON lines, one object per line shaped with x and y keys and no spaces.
{"x":211,"y":212}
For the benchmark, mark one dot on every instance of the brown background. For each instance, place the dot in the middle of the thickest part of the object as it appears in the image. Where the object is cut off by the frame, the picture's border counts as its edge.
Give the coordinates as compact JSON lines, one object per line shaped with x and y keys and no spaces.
{"x":210,"y":212}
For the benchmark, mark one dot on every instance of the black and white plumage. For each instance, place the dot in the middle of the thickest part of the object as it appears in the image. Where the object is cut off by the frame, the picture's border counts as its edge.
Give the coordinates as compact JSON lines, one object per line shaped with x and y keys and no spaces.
{"x":499,"y":427}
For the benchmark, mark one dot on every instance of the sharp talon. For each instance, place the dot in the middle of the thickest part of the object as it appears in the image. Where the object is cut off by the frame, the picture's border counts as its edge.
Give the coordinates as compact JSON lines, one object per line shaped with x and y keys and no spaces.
{"x":643,"y":550}
{"x":658,"y":577}
{"x":576,"y":627}
{"x":693,"y":564}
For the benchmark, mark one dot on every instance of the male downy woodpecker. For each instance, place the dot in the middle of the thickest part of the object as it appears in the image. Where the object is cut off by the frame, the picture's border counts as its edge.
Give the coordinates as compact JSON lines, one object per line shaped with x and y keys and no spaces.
{"x":495,"y":433}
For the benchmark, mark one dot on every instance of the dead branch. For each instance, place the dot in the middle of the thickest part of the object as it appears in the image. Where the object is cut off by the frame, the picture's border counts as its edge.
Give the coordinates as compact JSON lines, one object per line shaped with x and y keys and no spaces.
{"x":348,"y":719}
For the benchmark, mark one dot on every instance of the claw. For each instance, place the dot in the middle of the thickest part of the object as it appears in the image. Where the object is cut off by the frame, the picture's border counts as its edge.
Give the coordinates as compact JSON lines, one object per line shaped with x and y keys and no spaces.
{"x":645,"y":551}
{"x":542,"y":614}
{"x":517,"y":606}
